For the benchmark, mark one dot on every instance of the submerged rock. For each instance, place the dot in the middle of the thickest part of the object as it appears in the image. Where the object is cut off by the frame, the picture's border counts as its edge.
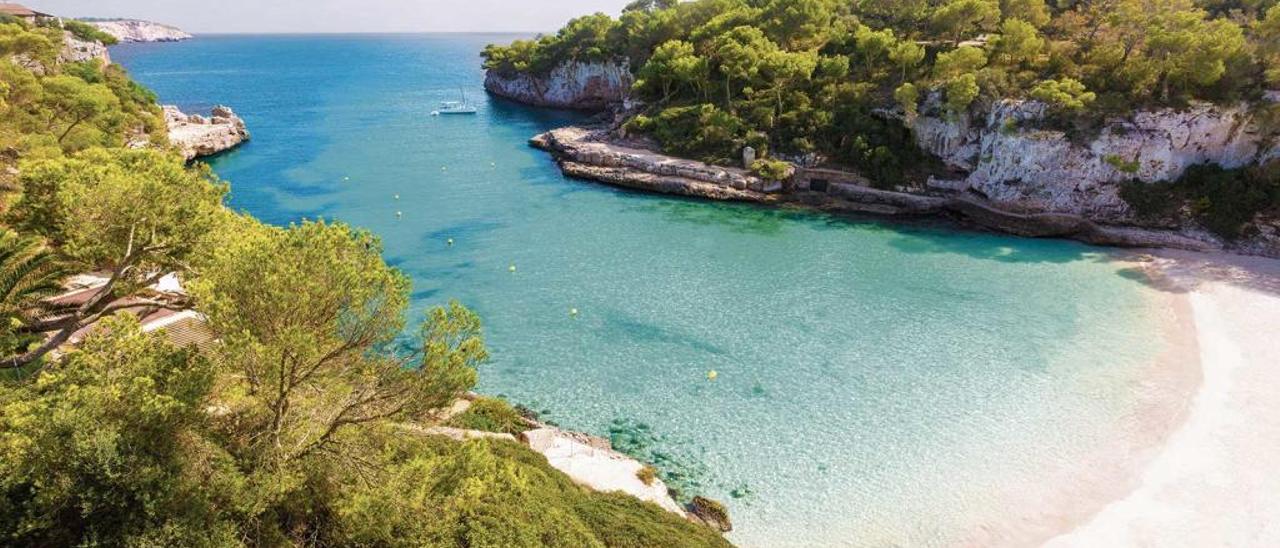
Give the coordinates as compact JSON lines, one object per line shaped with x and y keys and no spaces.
{"x":572,"y":85}
{"x":196,"y":136}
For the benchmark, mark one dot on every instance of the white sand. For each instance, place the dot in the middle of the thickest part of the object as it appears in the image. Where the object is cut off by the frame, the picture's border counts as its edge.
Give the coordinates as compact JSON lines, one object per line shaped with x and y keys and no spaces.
{"x":1216,"y":482}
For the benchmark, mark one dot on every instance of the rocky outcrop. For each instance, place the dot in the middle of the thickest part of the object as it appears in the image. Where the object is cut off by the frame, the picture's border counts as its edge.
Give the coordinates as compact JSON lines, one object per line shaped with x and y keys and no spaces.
{"x":590,"y":154}
{"x":572,"y":85}
{"x":1011,"y":160}
{"x":129,"y":30}
{"x":75,"y":50}
{"x":598,"y":467}
{"x":711,"y":513}
{"x":196,"y":136}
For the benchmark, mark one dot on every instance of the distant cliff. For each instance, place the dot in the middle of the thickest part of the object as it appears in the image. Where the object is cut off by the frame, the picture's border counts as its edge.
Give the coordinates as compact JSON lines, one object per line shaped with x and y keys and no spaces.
{"x":129,"y":30}
{"x":571,"y":85}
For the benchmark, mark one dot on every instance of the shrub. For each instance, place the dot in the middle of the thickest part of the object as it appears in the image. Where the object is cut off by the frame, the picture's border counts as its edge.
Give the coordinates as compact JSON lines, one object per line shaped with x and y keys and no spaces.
{"x":88,"y":32}
{"x":491,"y":415}
{"x":772,"y":170}
{"x":647,"y":474}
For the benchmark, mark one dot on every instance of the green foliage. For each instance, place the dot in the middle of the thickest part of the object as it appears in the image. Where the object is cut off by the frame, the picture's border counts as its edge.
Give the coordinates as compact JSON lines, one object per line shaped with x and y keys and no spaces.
{"x":491,"y":415}
{"x":772,"y":170}
{"x":802,"y":76}
{"x":1064,"y":95}
{"x":488,"y":493}
{"x":1223,"y":200}
{"x":302,"y":423}
{"x":647,"y":475}
{"x":140,"y":209}
{"x":29,"y":273}
{"x":88,"y":32}
{"x":107,"y":449}
{"x":1121,"y":164}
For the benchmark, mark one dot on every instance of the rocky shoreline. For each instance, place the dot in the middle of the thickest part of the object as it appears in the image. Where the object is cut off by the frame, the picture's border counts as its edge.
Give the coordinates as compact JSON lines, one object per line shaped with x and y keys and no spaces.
{"x":131,"y":30}
{"x":196,"y":136}
{"x":593,"y":154}
{"x":1007,"y":167}
{"x":592,"y":462}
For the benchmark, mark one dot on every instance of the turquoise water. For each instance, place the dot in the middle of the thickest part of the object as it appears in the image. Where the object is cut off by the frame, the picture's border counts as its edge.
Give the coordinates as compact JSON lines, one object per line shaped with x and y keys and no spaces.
{"x":879,"y":384}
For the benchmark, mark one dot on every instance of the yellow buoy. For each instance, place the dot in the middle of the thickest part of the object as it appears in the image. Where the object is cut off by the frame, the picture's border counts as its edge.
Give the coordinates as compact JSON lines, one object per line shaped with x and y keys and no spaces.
{"x":711,"y":375}
{"x":573,"y":312}
{"x":450,"y":242}
{"x":511,"y":268}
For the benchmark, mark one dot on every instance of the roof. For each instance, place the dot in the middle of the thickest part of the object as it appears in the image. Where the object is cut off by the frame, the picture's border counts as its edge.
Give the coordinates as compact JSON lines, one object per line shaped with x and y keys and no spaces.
{"x":19,"y":10}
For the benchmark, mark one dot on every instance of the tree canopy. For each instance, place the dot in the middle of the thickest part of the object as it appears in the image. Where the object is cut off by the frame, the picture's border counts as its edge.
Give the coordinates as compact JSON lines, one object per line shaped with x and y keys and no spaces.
{"x":807,"y":75}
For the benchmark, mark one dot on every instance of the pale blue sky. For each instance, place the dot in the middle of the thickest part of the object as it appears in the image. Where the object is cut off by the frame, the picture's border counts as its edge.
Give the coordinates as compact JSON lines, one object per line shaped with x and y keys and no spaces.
{"x":338,"y":15}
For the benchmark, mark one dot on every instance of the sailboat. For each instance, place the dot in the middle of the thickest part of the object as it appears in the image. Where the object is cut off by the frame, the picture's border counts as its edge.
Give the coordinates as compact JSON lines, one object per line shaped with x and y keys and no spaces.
{"x":455,"y":107}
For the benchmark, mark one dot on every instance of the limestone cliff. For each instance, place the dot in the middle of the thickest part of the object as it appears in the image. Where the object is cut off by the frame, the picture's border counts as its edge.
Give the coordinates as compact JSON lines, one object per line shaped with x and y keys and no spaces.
{"x":1011,"y":160}
{"x":75,"y":50}
{"x":129,"y":30}
{"x":196,"y":136}
{"x":572,"y":85}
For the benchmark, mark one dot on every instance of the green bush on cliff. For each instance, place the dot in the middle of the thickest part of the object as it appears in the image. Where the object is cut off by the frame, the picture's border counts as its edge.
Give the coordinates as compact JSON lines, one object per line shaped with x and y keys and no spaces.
{"x":88,"y":32}
{"x":1223,"y":200}
{"x":491,"y":415}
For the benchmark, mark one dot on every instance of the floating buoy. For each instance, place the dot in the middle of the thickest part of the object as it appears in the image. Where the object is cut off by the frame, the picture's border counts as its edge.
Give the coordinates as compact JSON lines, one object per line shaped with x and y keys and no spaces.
{"x":346,"y":178}
{"x":399,"y":214}
{"x":711,"y":375}
{"x":511,"y":268}
{"x":573,"y":312}
{"x":450,"y":242}
{"x":397,"y":196}
{"x":443,"y":168}
{"x":493,"y":164}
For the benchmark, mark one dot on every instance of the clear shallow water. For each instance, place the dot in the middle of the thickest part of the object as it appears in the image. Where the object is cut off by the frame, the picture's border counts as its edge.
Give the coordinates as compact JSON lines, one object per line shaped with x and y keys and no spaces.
{"x":879,"y":384}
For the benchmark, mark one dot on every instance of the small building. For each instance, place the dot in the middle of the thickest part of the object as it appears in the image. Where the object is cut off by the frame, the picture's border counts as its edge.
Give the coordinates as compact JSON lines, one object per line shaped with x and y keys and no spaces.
{"x":182,"y":328}
{"x":24,"y":13}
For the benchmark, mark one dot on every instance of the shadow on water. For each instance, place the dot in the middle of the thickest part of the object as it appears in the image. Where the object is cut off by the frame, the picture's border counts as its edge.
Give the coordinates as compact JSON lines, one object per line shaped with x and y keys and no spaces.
{"x":508,"y":113}
{"x":618,"y":325}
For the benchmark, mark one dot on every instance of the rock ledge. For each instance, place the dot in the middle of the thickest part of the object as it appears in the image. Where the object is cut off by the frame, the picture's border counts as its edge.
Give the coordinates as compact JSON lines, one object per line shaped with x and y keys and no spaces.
{"x":196,"y":136}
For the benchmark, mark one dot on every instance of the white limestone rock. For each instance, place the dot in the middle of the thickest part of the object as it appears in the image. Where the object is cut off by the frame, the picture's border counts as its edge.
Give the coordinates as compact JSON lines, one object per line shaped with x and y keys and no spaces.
{"x":1013,"y":162}
{"x":598,"y":468}
{"x":573,"y":85}
{"x":129,"y":30}
{"x":75,"y":50}
{"x":196,"y":136}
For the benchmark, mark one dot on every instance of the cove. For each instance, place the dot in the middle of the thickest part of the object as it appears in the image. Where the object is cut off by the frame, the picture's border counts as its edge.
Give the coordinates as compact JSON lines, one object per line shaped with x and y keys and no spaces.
{"x":878,"y":383}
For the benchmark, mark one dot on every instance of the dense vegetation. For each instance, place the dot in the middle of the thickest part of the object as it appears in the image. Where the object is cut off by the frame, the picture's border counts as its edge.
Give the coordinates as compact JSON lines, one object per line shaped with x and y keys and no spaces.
{"x":799,"y":76}
{"x":301,"y":424}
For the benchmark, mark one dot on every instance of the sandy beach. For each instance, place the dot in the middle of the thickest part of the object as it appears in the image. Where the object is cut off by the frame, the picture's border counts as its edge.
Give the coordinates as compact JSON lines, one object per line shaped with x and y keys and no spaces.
{"x":1214,"y":481}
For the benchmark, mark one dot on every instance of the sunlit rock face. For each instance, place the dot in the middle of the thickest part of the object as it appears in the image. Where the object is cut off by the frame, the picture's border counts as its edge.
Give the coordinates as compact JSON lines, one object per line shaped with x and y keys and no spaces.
{"x":126,"y":30}
{"x":1009,"y":156}
{"x":572,"y":85}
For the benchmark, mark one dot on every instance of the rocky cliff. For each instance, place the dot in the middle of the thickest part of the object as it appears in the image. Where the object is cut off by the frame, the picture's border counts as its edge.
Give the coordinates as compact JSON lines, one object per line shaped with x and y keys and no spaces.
{"x":572,"y":85}
{"x":75,"y":50}
{"x":1010,"y":159}
{"x":196,"y":136}
{"x":595,"y":155}
{"x":128,"y":30}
